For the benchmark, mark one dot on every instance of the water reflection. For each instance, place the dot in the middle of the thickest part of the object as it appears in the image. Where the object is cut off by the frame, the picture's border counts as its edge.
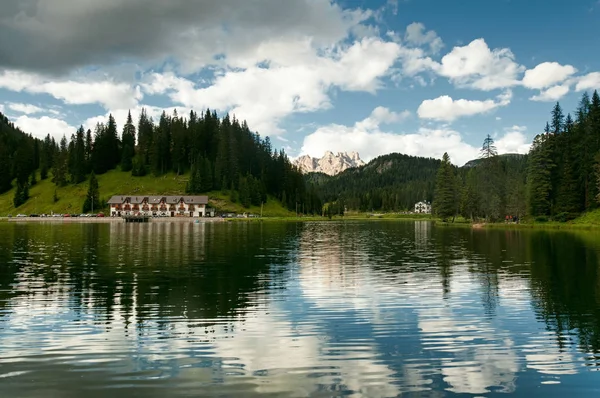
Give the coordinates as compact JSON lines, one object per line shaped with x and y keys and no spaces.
{"x":315,"y":309}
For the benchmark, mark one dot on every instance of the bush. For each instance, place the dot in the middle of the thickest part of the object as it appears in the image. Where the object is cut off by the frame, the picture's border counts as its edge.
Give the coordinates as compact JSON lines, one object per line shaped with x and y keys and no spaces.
{"x":564,"y":217}
{"x":541,"y":219}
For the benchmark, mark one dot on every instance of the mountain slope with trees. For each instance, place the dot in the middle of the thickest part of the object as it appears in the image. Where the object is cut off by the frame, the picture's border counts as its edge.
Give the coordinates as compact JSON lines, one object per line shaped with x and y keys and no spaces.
{"x":216,"y":154}
{"x":559,"y":179}
{"x":391,"y":182}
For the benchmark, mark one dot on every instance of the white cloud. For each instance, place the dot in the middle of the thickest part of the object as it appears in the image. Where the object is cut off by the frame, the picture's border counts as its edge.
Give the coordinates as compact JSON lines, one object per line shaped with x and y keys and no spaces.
{"x":418,"y":36}
{"x":27,"y":109}
{"x":42,"y":126}
{"x":476,"y":66}
{"x":445,"y":108}
{"x":591,"y":81}
{"x":547,"y":74}
{"x":552,"y":94}
{"x":514,"y":141}
{"x":516,"y":128}
{"x":264,"y":96}
{"x":108,"y":93}
{"x":368,"y":139}
{"x":382,"y":115}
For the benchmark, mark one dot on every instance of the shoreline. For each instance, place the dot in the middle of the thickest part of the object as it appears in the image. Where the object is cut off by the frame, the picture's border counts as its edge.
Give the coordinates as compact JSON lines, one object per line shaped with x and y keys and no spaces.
{"x":474,"y":226}
{"x":107,"y":220}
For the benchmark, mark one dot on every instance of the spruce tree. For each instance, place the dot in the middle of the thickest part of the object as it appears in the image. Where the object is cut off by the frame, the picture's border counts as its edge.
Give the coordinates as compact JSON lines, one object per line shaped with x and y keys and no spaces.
{"x":92,"y":199}
{"x":488,"y":149}
{"x":128,"y":145}
{"x":470,"y":199}
{"x":445,"y":190}
{"x":194,"y":184}
{"x":539,"y":177}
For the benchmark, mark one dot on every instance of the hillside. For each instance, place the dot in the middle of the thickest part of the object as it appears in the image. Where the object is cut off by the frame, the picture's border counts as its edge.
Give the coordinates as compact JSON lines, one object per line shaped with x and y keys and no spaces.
{"x":389,"y":182}
{"x":508,"y":156}
{"x":71,"y":197}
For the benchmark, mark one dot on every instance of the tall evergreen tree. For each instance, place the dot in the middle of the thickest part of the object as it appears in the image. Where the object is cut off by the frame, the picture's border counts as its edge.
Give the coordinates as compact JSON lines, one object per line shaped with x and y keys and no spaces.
{"x":445,"y":190}
{"x":92,"y":199}
{"x":128,"y":144}
{"x":470,"y":200}
{"x":539,"y":176}
{"x":488,"y":149}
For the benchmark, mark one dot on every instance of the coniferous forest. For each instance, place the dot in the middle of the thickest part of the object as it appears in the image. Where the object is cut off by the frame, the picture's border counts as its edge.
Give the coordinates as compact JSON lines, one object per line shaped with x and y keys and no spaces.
{"x":218,"y":153}
{"x":559,"y":178}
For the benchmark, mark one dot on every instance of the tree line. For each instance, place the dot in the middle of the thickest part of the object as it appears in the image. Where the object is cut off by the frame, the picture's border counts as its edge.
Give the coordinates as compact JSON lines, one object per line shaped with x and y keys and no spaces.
{"x":392,"y":182}
{"x":559,"y":178}
{"x":217,"y":153}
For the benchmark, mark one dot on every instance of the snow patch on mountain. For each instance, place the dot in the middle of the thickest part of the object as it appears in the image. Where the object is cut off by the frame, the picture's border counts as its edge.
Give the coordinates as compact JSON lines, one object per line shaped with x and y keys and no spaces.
{"x":330,"y":163}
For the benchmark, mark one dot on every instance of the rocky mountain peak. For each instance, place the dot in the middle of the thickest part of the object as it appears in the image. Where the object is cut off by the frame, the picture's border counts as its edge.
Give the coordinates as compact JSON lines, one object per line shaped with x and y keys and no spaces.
{"x":330,"y":163}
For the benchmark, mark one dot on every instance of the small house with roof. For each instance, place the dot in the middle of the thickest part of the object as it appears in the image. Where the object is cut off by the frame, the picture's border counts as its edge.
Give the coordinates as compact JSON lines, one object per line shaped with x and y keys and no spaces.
{"x":160,"y":206}
{"x":423,"y":207}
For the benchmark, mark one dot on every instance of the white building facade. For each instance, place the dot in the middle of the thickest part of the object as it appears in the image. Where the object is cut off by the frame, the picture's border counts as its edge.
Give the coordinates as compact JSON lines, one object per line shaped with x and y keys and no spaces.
{"x":423,"y":207}
{"x":160,"y":206}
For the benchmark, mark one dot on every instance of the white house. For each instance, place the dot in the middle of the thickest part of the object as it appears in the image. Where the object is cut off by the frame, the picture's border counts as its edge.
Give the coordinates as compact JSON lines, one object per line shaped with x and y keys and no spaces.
{"x":170,"y":206}
{"x":423,"y":207}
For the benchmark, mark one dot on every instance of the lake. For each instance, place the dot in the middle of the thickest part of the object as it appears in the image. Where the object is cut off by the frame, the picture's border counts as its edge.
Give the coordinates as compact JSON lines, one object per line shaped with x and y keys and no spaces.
{"x":361,"y":309}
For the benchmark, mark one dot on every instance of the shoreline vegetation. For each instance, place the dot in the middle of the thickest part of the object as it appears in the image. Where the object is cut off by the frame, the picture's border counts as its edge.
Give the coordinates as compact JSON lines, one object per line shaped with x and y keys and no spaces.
{"x":588,"y":221}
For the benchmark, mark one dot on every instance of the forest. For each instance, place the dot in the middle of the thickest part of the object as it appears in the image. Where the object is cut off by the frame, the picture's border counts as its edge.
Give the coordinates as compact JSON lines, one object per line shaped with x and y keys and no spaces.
{"x":217,"y":153}
{"x":558,"y":180}
{"x":392,"y":182}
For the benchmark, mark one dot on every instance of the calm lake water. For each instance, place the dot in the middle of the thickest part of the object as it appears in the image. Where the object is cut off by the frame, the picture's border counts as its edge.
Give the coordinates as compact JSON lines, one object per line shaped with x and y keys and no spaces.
{"x":296,"y":310}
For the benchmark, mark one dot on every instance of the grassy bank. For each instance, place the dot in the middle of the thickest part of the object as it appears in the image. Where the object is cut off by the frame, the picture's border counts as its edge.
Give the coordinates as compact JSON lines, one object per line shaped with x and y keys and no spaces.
{"x":71,"y":197}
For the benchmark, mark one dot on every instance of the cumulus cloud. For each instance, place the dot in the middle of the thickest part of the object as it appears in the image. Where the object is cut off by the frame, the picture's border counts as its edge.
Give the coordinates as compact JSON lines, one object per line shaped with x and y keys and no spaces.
{"x":476,"y":66}
{"x":547,"y":74}
{"x":42,"y":126}
{"x":552,"y":94}
{"x":417,"y":35}
{"x":445,"y":108}
{"x":27,"y":109}
{"x":591,"y":81}
{"x":108,"y":93}
{"x":513,"y":141}
{"x":367,"y":138}
{"x":58,"y":36}
{"x":264,"y":96}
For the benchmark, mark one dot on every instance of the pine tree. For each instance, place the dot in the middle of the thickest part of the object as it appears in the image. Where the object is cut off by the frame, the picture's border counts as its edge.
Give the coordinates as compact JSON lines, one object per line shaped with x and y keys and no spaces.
{"x":488,"y":149}
{"x":78,"y":164}
{"x":33,"y":180}
{"x":92,"y":200}
{"x":244,"y":191}
{"x":207,"y":176}
{"x":113,"y":156}
{"x":88,"y":151}
{"x":128,"y":145}
{"x":539,"y":177}
{"x":5,"y":164}
{"x":470,"y":199}
{"x":567,"y":195}
{"x":59,"y":169}
{"x":194,"y":184}
{"x":445,"y":192}
{"x":21,"y":194}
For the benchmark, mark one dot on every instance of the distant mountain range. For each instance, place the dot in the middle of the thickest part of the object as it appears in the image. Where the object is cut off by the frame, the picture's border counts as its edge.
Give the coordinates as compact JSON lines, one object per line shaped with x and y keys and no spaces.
{"x":330,"y":164}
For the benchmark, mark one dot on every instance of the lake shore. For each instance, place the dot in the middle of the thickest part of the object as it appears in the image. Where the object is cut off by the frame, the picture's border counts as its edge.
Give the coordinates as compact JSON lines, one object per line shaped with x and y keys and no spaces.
{"x":105,"y":220}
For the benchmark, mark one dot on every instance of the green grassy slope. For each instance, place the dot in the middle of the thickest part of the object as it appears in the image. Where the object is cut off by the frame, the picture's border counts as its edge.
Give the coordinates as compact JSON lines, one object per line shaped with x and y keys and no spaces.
{"x":115,"y":182}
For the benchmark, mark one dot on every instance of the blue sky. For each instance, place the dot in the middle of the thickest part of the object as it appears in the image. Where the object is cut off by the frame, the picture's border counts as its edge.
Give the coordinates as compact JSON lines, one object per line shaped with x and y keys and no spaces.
{"x":413,"y":76}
